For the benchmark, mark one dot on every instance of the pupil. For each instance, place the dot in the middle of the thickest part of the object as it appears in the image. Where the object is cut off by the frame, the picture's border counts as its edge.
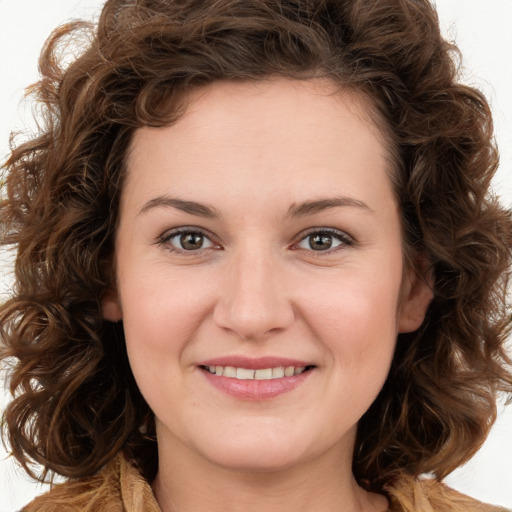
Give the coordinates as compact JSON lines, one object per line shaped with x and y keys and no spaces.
{"x":320,"y":242}
{"x":191,"y":241}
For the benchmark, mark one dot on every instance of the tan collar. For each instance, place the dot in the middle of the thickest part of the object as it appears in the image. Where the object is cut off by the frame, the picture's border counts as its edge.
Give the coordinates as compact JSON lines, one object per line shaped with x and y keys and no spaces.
{"x":120,"y":488}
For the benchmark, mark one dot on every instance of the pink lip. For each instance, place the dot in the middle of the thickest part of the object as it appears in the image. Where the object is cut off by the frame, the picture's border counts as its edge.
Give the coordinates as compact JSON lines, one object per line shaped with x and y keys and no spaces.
{"x":254,"y":390}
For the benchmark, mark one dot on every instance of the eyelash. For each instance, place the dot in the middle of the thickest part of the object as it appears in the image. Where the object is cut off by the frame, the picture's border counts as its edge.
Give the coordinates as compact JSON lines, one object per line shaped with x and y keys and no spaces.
{"x":342,"y":237}
{"x":166,"y":238}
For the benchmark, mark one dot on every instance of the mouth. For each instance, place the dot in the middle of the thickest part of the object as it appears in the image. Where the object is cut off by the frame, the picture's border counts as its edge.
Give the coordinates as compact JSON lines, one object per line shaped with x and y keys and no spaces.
{"x":271,"y":373}
{"x":256,"y":379}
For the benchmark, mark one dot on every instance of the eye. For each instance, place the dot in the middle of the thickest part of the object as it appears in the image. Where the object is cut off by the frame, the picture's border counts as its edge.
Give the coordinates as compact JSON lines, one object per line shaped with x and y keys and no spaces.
{"x":187,"y":240}
{"x":324,"y":240}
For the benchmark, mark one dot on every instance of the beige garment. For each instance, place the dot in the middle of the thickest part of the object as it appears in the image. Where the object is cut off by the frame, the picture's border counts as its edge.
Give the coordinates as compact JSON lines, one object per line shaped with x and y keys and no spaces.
{"x":117,"y":488}
{"x":409,"y":494}
{"x":120,"y":488}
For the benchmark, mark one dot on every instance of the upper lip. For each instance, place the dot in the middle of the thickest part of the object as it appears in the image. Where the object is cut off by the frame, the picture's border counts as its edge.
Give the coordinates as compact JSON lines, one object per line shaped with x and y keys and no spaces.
{"x":258,"y":363}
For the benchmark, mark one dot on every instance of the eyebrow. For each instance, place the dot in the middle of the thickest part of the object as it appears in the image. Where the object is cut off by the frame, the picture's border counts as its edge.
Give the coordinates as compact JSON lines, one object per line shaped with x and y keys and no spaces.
{"x":199,"y":209}
{"x":319,"y":205}
{"x":296,"y":210}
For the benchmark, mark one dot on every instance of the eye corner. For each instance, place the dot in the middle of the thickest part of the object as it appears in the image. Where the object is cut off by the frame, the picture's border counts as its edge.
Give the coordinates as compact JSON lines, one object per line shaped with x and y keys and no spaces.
{"x":328,"y":240}
{"x":174,"y":240}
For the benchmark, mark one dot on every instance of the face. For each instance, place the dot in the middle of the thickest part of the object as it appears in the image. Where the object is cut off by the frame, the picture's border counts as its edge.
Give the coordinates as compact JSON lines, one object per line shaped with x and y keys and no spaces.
{"x":260,"y":273}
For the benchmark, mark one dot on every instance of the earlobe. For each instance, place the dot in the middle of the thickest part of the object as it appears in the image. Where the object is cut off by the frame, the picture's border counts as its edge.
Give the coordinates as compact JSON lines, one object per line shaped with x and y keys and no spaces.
{"x":418,"y":294}
{"x":110,"y":307}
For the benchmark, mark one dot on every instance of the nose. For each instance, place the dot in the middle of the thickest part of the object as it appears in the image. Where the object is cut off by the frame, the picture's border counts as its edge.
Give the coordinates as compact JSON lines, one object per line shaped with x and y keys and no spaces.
{"x":253,"y":301}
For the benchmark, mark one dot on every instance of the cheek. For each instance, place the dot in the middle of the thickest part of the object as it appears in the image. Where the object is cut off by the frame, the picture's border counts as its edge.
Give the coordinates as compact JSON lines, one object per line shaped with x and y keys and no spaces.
{"x":357,"y":320}
{"x":161,"y":303}
{"x":355,"y":305}
{"x":161,"y":319}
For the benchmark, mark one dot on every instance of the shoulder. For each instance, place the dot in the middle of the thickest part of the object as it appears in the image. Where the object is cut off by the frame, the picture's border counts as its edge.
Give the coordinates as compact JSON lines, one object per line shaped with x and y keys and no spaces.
{"x":117,"y":488}
{"x":409,"y":494}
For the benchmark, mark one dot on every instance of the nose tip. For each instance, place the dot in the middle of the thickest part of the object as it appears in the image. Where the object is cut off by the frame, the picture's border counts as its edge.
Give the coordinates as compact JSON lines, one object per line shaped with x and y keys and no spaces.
{"x":254,"y":302}
{"x":252,"y":320}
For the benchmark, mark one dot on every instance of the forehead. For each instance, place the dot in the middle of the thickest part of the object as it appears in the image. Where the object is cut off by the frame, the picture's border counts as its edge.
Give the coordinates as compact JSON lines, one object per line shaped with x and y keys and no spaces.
{"x":276,"y":142}
{"x":275,"y":105}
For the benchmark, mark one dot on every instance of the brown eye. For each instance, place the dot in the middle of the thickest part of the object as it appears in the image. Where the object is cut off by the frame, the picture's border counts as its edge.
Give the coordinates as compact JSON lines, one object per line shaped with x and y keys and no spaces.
{"x":324,"y":240}
{"x":320,"y":242}
{"x":191,"y":241}
{"x":188,"y":241}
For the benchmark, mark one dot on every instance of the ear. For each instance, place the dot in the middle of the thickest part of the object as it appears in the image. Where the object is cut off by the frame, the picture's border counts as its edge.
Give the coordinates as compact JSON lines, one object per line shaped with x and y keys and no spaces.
{"x":110,"y":307}
{"x":417,"y":295}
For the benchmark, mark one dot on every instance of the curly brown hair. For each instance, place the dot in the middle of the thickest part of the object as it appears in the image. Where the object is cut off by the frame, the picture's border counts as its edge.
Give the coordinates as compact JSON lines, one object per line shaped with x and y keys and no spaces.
{"x":75,"y":402}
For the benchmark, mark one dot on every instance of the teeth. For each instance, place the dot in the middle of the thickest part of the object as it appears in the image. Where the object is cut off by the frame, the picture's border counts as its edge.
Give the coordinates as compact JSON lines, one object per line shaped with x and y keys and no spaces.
{"x":244,"y":374}
{"x":278,"y":373}
{"x":289,"y":371}
{"x":262,"y":374}
{"x":229,"y":371}
{"x":265,"y":374}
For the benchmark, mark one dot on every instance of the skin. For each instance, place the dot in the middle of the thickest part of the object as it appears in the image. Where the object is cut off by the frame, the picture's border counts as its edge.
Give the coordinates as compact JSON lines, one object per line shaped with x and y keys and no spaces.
{"x":253,"y":153}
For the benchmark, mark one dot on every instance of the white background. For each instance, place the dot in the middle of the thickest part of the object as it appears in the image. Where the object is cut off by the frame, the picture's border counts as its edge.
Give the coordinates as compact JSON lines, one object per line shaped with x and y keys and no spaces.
{"x":481,"y":29}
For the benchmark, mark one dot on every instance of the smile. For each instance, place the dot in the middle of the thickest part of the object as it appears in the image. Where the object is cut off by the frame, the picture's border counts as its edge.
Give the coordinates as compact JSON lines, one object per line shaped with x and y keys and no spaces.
{"x":278,"y":372}
{"x":256,"y":379}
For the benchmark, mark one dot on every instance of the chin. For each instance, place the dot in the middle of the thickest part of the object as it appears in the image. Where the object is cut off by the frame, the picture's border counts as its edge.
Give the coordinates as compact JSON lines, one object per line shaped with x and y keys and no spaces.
{"x":256,"y":459}
{"x":258,"y":451}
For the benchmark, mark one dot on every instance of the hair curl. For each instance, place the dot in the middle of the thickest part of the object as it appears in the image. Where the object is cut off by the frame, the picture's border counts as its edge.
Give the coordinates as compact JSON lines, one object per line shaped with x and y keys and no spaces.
{"x":76,"y":403}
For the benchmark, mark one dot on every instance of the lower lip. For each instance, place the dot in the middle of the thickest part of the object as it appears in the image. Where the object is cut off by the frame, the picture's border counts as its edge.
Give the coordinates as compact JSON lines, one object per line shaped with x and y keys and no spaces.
{"x":256,"y":389}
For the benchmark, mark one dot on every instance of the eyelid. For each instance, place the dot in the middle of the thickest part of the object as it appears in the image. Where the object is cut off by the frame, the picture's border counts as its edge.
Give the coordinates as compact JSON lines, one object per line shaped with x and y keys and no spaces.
{"x":166,"y":236}
{"x":345,"y":239}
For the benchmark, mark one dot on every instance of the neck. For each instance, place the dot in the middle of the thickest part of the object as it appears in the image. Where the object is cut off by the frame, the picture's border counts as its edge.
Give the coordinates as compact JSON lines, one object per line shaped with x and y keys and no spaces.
{"x":187,"y":483}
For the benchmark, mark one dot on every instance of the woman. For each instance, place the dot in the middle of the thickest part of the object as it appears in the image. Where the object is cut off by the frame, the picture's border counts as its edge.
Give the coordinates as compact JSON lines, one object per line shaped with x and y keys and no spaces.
{"x":258,"y":264}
